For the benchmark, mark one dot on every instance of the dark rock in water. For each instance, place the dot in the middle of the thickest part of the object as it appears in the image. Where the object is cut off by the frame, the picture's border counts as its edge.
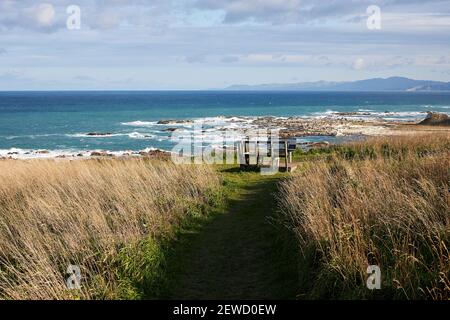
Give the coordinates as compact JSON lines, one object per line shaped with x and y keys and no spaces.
{"x":99,"y":134}
{"x":165,"y":121}
{"x":14,"y":152}
{"x":171,"y":129}
{"x":100,"y":154}
{"x":43,"y":152}
{"x":436,"y":119}
{"x":173,"y":121}
{"x":353,"y":113}
{"x":80,"y":155}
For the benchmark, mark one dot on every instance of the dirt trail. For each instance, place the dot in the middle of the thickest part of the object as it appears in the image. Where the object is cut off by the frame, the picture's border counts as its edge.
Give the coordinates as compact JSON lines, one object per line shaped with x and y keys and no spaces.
{"x":238,"y":254}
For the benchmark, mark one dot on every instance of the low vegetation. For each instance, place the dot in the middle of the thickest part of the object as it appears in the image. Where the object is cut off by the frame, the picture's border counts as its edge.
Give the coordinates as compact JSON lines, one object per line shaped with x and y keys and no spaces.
{"x":382,"y":202}
{"x":109,"y":217}
{"x":134,"y":225}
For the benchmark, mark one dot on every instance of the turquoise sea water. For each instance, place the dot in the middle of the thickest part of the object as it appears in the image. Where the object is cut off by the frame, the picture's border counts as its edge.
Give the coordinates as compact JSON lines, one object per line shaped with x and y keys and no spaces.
{"x":61,"y":121}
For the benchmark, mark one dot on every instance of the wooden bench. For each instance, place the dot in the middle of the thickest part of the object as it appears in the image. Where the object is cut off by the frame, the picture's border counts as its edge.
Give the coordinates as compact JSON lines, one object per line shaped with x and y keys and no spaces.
{"x":255,"y":152}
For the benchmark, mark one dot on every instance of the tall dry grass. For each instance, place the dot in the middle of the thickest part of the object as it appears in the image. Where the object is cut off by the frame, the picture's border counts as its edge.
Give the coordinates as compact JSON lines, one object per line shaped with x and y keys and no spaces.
{"x":382,"y":202}
{"x":93,"y":214}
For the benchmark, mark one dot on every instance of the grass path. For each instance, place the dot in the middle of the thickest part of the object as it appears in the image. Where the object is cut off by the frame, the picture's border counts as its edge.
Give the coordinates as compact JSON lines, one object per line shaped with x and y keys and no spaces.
{"x":239,"y":253}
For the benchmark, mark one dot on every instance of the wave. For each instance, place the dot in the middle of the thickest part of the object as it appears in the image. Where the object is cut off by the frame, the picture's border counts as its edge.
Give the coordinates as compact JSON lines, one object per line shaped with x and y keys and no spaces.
{"x":322,"y":114}
{"x":429,"y":106}
{"x":132,"y":135}
{"x":366,"y":114}
{"x":212,"y":121}
{"x":138,"y":135}
{"x":31,"y":136}
{"x":94,"y":135}
{"x":165,"y":124}
{"x":18,"y":153}
{"x":365,"y":110}
{"x":29,"y":154}
{"x":140,"y":123}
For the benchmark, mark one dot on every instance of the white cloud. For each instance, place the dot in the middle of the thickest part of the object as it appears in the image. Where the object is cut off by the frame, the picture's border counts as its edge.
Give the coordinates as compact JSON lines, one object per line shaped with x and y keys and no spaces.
{"x":313,"y":11}
{"x":226,"y":39}
{"x":50,"y":15}
{"x":43,"y":14}
{"x":359,"y":64}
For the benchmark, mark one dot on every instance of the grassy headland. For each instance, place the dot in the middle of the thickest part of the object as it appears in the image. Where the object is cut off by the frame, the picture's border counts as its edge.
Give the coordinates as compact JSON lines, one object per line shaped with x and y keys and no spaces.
{"x":150,"y":229}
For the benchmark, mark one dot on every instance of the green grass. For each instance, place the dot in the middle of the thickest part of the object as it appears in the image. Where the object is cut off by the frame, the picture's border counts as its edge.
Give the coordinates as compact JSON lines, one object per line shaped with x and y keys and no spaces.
{"x":232,"y":249}
{"x":143,"y":268}
{"x":301,"y":155}
{"x":239,"y":253}
{"x":235,"y":247}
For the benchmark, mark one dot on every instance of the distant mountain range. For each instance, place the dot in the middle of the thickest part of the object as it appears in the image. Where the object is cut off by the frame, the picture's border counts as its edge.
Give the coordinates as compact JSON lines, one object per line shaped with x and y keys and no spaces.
{"x":376,"y":84}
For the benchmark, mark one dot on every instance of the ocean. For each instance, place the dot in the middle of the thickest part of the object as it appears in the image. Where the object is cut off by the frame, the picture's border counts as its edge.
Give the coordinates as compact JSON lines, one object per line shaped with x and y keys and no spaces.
{"x":74,"y":122}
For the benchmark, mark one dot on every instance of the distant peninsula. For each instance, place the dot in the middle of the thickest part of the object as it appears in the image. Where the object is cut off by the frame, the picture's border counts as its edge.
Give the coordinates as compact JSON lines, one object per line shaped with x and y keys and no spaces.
{"x":375,"y":84}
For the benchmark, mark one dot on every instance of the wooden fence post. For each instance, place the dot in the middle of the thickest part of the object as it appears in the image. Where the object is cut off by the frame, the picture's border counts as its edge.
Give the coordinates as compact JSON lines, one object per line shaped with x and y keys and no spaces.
{"x":286,"y":154}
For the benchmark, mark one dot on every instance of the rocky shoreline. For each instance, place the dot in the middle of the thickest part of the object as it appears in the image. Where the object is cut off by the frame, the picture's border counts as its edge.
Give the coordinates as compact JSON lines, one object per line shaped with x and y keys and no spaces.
{"x":293,"y":127}
{"x":97,"y":154}
{"x":290,"y":127}
{"x":297,"y":127}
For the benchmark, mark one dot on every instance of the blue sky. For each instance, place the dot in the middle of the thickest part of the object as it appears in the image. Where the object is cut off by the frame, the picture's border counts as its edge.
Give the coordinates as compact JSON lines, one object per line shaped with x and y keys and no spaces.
{"x":204,"y":44}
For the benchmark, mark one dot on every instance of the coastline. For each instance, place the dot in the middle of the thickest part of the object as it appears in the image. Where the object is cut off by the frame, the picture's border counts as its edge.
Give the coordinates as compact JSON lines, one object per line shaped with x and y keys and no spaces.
{"x":338,"y":127}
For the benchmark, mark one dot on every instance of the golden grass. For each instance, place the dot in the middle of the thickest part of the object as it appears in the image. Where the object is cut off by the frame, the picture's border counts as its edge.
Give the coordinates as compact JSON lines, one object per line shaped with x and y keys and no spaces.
{"x":384,"y":202}
{"x":59,"y":213}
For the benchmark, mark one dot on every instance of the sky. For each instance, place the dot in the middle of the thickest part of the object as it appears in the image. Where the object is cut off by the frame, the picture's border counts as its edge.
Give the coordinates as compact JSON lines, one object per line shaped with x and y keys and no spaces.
{"x":211,"y":44}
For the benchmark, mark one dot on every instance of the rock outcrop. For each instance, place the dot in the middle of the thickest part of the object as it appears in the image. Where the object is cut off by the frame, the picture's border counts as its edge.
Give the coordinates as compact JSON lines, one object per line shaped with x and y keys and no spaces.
{"x":436,"y":119}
